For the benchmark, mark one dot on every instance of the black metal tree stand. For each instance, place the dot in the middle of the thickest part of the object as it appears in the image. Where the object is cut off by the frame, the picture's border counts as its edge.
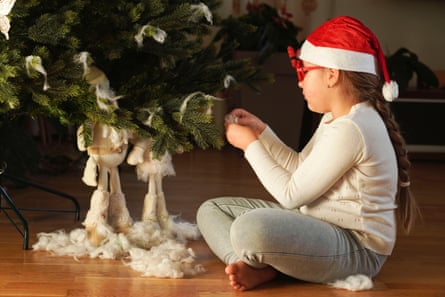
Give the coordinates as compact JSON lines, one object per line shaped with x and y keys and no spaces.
{"x":19,"y":222}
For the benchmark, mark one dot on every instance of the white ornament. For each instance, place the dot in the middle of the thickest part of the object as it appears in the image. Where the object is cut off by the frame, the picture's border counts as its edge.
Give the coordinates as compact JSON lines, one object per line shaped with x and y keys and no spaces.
{"x":35,"y":62}
{"x":151,"y":113}
{"x":231,"y":119}
{"x":156,"y":33}
{"x":5,"y":9}
{"x":183,"y":107}
{"x":82,"y":58}
{"x":228,"y":80}
{"x":106,"y":98}
{"x":199,"y":10}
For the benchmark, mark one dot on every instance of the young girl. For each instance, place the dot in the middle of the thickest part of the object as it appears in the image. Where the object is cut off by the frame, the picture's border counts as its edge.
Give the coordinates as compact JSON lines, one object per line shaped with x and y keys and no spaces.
{"x":337,"y":200}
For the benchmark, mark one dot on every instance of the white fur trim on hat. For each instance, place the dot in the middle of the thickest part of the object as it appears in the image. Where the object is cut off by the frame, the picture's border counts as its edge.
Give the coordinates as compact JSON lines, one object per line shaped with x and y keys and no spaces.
{"x":337,"y":58}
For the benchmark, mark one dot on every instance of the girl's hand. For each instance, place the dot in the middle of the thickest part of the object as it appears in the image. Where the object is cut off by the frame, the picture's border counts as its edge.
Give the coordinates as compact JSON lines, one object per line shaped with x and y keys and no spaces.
{"x":242,"y":128}
{"x":240,"y":136}
{"x":244,"y":118}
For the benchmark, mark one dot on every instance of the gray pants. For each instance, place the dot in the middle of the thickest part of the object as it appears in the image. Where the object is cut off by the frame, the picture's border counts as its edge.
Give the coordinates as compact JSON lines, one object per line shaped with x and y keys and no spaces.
{"x":261,"y":233}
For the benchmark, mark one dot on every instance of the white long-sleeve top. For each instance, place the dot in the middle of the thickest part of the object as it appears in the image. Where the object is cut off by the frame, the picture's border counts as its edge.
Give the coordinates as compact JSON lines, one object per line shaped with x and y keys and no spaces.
{"x":345,"y":175}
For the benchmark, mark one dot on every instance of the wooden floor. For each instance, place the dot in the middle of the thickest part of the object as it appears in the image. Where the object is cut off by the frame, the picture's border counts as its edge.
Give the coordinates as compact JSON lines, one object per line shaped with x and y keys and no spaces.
{"x":417,"y":267}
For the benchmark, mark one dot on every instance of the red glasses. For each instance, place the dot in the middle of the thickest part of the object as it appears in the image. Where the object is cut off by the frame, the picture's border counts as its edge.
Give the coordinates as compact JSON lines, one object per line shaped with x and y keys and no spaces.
{"x":301,"y":70}
{"x":298,"y":64}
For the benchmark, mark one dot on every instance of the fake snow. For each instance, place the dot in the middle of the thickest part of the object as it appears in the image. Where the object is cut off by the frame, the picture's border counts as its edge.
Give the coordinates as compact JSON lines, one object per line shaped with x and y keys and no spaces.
{"x":358,"y":282}
{"x":145,"y":248}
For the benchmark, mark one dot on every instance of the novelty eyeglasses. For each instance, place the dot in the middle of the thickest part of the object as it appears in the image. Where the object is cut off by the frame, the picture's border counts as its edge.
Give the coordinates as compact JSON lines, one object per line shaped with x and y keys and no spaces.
{"x":296,"y":63}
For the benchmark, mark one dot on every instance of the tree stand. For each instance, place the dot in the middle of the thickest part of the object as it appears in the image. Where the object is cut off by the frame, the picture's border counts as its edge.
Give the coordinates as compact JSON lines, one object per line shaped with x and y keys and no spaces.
{"x":22,"y":224}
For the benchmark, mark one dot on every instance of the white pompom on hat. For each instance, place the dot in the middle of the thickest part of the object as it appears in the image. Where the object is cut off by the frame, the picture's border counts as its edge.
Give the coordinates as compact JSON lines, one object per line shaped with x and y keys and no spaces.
{"x":347,"y":44}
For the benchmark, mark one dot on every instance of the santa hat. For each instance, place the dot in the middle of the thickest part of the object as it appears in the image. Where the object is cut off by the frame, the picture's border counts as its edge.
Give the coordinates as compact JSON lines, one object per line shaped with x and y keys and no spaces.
{"x":345,"y":43}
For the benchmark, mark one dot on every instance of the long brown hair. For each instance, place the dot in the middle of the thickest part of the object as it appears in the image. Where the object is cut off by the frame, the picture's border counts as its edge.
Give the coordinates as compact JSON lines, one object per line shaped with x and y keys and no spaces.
{"x":368,"y":87}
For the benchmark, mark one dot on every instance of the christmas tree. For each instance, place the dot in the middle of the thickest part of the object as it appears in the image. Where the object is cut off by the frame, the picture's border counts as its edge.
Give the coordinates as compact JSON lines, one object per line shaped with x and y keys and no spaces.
{"x":144,"y":70}
{"x":150,"y":67}
{"x":264,"y":29}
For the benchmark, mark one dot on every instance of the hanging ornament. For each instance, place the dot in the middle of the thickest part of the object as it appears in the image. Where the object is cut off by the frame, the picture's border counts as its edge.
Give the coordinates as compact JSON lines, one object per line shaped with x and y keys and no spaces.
{"x":200,"y":10}
{"x":35,"y":63}
{"x":106,"y":98}
{"x":183,"y":107}
{"x":156,"y":33}
{"x":5,"y":9}
{"x":228,"y":80}
{"x":152,"y":112}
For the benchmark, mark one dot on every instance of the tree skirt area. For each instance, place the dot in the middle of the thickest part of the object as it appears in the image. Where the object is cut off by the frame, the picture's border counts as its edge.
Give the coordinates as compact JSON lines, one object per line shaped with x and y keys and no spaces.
{"x":146,"y":248}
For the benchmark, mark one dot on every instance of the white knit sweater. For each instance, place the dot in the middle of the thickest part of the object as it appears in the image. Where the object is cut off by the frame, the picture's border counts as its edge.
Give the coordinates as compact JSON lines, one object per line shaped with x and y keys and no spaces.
{"x":345,"y":175}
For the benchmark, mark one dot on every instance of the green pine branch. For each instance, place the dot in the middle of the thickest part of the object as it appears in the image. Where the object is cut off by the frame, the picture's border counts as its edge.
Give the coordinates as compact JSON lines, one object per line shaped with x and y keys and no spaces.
{"x":152,"y":77}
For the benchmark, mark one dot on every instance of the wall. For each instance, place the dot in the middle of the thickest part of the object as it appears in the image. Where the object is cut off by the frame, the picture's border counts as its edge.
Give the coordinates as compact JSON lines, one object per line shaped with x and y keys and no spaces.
{"x":415,"y":24}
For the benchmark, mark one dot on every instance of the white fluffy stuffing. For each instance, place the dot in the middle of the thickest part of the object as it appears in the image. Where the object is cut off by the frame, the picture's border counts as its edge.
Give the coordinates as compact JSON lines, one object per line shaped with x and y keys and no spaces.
{"x":358,"y":282}
{"x":146,"y":248}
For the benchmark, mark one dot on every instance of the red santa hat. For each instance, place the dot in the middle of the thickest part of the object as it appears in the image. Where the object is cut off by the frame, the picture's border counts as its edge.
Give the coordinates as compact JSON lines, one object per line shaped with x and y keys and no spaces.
{"x":347,"y":44}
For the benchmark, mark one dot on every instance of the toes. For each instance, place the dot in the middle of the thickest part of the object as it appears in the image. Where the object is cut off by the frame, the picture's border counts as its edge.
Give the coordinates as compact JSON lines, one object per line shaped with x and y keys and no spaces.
{"x":231,"y":269}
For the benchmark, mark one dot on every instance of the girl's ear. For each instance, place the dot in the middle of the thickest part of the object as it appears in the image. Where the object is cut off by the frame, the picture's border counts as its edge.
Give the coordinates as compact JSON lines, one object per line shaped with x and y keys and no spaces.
{"x":333,"y":76}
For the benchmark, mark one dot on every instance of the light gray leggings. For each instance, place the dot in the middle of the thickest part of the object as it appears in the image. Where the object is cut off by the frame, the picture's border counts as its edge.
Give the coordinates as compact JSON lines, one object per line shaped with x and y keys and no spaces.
{"x":262,"y":233}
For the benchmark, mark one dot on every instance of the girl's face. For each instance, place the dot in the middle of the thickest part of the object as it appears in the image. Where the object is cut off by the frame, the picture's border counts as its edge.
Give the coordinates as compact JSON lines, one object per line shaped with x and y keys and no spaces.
{"x":314,"y":85}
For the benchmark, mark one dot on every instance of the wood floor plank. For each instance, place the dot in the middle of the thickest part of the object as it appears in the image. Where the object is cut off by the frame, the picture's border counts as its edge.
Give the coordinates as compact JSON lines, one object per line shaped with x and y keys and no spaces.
{"x":416,"y":269}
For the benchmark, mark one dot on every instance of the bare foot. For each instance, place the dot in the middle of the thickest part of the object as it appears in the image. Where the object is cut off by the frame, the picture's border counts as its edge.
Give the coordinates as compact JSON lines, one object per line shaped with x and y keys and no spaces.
{"x":244,"y":277}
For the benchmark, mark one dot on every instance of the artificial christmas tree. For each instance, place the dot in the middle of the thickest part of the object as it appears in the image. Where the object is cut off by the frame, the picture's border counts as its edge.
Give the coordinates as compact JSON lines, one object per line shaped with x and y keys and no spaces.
{"x":152,"y":53}
{"x":124,"y":72}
